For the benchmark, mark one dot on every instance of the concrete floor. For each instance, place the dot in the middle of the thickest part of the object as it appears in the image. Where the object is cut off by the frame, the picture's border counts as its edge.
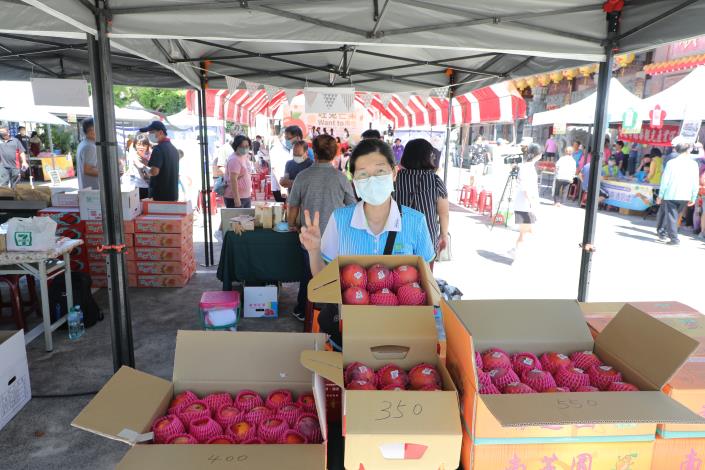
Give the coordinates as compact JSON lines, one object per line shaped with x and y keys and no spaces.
{"x":40,"y":436}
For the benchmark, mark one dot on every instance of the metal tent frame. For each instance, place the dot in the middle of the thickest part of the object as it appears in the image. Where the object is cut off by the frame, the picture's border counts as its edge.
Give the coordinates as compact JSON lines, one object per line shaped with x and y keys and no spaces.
{"x":517,"y":39}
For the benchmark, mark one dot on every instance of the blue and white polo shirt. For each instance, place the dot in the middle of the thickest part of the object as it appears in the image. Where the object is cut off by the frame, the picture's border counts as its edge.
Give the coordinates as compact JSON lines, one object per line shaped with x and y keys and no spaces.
{"x":347,"y":233}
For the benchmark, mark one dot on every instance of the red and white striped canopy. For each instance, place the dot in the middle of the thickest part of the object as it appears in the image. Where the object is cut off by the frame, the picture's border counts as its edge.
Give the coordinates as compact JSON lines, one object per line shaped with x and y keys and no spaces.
{"x":494,"y":103}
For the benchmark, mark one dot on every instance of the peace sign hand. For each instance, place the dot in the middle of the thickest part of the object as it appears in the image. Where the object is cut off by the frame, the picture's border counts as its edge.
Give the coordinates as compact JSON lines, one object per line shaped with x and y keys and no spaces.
{"x":310,"y":235}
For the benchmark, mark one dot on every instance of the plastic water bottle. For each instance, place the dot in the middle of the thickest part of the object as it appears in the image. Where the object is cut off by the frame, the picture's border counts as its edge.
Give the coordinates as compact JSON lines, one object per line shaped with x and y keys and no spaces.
{"x":75,"y":321}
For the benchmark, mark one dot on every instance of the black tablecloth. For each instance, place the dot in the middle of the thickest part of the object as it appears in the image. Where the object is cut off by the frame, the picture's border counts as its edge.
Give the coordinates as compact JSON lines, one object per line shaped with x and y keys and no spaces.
{"x":259,"y":256}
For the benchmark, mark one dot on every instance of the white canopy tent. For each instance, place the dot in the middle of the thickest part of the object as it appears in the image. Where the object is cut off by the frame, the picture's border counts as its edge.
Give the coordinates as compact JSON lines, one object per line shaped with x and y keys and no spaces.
{"x":683,"y":99}
{"x":34,"y":114}
{"x":583,"y":111}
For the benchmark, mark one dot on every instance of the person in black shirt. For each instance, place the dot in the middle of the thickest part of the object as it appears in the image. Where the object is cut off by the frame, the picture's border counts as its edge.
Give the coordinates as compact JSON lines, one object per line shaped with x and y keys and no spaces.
{"x":23,"y":138}
{"x":163,"y":164}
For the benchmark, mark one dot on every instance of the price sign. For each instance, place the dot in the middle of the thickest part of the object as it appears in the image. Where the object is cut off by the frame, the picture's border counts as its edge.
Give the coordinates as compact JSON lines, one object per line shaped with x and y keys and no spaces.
{"x":575,"y":404}
{"x":223,"y":460}
{"x":397,"y":409}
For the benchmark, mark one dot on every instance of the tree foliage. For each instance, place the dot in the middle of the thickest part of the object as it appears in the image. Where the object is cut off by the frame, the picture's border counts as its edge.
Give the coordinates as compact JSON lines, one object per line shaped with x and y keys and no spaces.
{"x":164,"y":100}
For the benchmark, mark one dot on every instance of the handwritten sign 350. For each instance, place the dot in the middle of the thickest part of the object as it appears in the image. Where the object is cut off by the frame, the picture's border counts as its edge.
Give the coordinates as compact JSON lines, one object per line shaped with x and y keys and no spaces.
{"x":397,"y":410}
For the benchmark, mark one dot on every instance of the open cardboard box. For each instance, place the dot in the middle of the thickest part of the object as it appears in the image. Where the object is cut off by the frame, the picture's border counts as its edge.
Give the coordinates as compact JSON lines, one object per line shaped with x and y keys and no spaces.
{"x":646,"y":351}
{"x":325,"y":286}
{"x":393,"y":429}
{"x":207,"y":362}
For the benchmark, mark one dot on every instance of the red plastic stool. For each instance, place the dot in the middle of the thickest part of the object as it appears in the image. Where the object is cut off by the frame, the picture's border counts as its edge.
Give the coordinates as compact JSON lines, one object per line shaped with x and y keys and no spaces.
{"x":583,"y":199}
{"x":213,"y":204}
{"x":16,"y":304}
{"x":464,"y":198}
{"x":268,"y":189}
{"x":484,"y":206}
{"x":474,"y":198}
{"x":573,"y":191}
{"x":480,"y":205}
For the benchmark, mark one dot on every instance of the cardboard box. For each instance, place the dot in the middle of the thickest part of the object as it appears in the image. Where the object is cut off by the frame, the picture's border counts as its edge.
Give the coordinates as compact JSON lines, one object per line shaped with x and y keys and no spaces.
{"x":261,"y":302}
{"x":163,"y":224}
{"x":583,"y":456}
{"x":75,"y":231}
{"x":89,"y":204}
{"x":163,"y":280}
{"x":646,"y":351}
{"x":678,"y":454}
{"x":96,"y":226}
{"x":62,"y":215}
{"x":166,"y":208}
{"x":163,"y":240}
{"x":15,"y":390}
{"x":100,"y":268}
{"x":159,"y":254}
{"x":164,"y":267}
{"x":394,"y":429}
{"x":131,"y":400}
{"x":687,"y":386}
{"x":96,"y":240}
{"x":325,"y":286}
{"x":64,"y":198}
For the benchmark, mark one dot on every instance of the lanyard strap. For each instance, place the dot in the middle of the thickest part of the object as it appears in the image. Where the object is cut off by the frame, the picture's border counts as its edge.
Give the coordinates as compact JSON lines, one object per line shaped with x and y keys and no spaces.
{"x":391,"y":237}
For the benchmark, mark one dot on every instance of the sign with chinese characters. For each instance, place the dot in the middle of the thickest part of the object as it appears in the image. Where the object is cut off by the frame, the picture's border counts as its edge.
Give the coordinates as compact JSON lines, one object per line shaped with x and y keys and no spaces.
{"x":627,"y":195}
{"x":661,"y":137}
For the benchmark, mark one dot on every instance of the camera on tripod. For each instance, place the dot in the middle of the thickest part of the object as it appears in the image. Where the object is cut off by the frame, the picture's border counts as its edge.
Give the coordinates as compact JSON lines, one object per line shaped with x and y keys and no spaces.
{"x":512,"y":159}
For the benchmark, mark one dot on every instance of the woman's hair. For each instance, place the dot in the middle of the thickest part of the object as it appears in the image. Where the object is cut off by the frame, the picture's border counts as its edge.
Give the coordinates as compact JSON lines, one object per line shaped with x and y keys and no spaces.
{"x":655,"y":152}
{"x":533,"y":150}
{"x":368,"y":146}
{"x":34,"y":134}
{"x":418,"y":155}
{"x":239,"y":139}
{"x":142,"y":140}
{"x":325,"y":148}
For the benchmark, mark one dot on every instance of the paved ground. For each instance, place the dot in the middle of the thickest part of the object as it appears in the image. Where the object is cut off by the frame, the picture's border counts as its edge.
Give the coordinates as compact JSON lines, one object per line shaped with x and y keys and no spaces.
{"x":629,"y":265}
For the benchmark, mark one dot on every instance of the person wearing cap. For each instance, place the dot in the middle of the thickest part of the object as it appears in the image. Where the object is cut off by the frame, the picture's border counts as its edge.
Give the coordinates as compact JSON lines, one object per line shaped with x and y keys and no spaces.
{"x":163,"y":164}
{"x":527,"y":199}
{"x":679,"y":187}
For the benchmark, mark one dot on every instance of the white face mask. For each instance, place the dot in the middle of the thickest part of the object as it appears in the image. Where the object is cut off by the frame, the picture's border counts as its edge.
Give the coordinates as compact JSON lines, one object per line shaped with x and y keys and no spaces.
{"x":299,"y":159}
{"x":375,"y":190}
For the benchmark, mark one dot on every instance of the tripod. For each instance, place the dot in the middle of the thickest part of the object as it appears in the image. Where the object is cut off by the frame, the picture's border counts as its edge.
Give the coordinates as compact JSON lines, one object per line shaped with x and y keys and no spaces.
{"x":508,"y":191}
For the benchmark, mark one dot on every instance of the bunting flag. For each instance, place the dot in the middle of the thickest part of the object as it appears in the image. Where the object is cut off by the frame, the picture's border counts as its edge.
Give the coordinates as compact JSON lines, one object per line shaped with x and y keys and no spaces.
{"x":291,"y":94}
{"x":270,"y":90}
{"x":233,"y":84}
{"x":440,"y":92}
{"x":385,"y":98}
{"x":329,"y":100}
{"x":252,"y":87}
{"x":366,"y":99}
{"x":404,"y":97}
{"x":423,"y":94}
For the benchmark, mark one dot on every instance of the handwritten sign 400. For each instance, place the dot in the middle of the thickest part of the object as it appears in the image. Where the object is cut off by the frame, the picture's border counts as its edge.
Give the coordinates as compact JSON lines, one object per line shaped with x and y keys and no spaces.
{"x":398,"y":410}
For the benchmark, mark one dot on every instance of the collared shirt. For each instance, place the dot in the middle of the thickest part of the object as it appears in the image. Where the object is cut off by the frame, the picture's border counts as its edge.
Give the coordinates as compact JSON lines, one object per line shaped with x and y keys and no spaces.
{"x":348,"y":233}
{"x":87,"y":154}
{"x":320,"y":188}
{"x":8,"y":152}
{"x":680,"y":181}
{"x":551,"y":146}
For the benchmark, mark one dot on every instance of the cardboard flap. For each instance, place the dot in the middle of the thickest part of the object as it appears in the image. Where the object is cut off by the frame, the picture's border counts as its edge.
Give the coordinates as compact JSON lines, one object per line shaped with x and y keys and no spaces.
{"x":130,"y":401}
{"x":325,"y":286}
{"x":222,"y":356}
{"x":403,"y":335}
{"x":539,"y":409}
{"x":652,"y":350}
{"x":524,"y":325}
{"x":264,"y":457}
{"x":328,"y":364}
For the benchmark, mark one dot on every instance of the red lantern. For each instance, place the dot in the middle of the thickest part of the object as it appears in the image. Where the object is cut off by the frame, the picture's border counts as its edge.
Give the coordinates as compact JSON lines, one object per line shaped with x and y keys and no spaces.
{"x":657,"y":116}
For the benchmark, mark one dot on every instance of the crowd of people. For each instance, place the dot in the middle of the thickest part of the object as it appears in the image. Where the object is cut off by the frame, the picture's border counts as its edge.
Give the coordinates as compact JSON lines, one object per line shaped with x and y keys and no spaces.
{"x":678,"y":178}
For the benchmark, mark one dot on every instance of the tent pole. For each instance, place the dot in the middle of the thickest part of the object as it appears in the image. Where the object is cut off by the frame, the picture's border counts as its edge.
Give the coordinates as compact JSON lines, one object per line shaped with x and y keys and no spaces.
{"x":204,"y":163}
{"x":451,"y":76}
{"x":110,"y":194}
{"x":593,"y":194}
{"x":209,"y":238}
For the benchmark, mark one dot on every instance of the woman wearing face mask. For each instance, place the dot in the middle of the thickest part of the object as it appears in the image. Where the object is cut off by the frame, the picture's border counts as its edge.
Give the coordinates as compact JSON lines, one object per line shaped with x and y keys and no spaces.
{"x":296,"y":165}
{"x":137,"y":165}
{"x":239,"y":185}
{"x":377,"y":225}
